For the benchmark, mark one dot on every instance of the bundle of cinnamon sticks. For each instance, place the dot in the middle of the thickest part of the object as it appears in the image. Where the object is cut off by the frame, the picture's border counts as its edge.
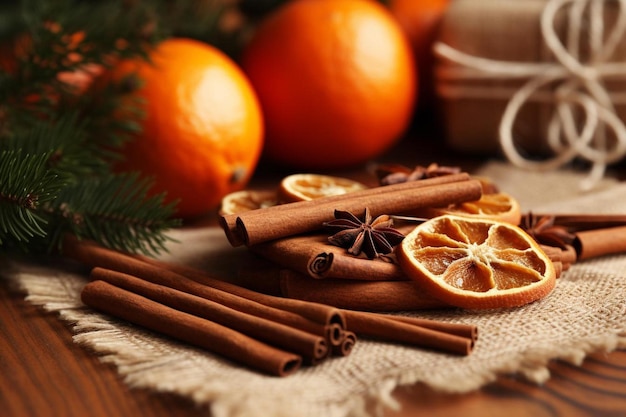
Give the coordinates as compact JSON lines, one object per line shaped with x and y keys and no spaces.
{"x":300,"y":255}
{"x":274,"y":335}
{"x":300,"y":258}
{"x":313,"y":300}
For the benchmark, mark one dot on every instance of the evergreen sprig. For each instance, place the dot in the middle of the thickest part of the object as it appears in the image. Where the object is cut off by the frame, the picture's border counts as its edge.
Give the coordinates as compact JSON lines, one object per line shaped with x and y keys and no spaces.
{"x":25,"y":185}
{"x":117,"y":210}
{"x":57,"y":145}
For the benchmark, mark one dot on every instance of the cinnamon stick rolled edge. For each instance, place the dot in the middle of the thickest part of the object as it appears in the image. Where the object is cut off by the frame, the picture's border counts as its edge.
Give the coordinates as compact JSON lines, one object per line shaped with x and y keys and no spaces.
{"x":186,"y":327}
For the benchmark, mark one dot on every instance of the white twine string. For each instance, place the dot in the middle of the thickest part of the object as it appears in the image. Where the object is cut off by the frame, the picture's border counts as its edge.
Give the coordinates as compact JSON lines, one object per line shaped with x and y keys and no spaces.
{"x":580,"y":88}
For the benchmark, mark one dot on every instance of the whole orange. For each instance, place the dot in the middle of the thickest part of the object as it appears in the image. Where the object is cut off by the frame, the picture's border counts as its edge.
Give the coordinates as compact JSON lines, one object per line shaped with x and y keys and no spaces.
{"x":336,"y":80}
{"x":202,"y":132}
{"x":420,"y":20}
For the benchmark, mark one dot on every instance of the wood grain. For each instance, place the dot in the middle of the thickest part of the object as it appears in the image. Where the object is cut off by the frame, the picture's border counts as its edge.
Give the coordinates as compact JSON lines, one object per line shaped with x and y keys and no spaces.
{"x":44,"y":373}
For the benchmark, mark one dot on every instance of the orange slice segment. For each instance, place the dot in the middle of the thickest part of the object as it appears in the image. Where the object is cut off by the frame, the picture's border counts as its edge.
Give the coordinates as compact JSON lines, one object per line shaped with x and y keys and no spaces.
{"x":476,"y":263}
{"x":300,"y":187}
{"x":245,"y":200}
{"x":495,"y":206}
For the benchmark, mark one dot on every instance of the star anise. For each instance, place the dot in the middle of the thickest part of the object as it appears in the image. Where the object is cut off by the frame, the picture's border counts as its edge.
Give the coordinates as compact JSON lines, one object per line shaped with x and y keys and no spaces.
{"x":374,"y":237}
{"x":544,"y":231}
{"x":394,"y":174}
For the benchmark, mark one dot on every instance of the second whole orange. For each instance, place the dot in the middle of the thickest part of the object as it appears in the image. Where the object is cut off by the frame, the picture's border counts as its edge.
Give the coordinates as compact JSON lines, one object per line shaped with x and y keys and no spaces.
{"x":421,"y":19}
{"x":202,"y":134}
{"x":336,"y":80}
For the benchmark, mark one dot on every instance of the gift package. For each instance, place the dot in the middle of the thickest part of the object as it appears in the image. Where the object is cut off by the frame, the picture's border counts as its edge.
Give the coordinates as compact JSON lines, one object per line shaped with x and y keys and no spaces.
{"x":543,"y":81}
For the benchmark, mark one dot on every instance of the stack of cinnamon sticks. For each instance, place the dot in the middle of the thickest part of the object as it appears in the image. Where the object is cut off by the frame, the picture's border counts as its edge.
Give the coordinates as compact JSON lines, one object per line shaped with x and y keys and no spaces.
{"x":305,"y":266}
{"x":269,"y":334}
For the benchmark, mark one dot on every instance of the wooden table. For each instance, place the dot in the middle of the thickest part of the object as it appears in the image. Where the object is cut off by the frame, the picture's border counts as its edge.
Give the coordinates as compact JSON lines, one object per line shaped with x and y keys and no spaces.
{"x":44,"y":373}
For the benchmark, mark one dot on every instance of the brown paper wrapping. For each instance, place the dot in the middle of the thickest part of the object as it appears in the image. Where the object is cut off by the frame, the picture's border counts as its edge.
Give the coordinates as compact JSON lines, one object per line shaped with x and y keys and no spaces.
{"x":472,"y":108}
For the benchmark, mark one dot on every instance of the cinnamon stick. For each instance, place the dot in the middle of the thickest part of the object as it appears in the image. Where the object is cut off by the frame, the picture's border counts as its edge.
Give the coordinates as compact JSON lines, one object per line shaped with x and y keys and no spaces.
{"x":311,"y":347}
{"x":600,"y":242}
{"x":229,"y":222}
{"x":348,"y":340}
{"x":582,"y":221}
{"x":265,"y":224}
{"x":312,"y":255}
{"x":556,"y":256}
{"x":463,"y":330}
{"x":357,"y":295}
{"x":317,"y":312}
{"x":377,"y":327}
{"x":468,"y":331}
{"x":94,"y":256}
{"x":387,"y":329}
{"x":188,"y":328}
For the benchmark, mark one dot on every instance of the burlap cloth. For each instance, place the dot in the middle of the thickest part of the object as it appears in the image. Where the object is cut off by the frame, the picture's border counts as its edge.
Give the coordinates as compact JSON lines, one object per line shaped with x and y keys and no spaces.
{"x":585,"y":313}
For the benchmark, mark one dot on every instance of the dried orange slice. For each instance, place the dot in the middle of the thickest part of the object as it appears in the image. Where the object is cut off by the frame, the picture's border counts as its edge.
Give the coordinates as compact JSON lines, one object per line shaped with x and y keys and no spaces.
{"x":476,"y":263}
{"x":494,"y":206}
{"x":301,"y":187}
{"x":245,"y":200}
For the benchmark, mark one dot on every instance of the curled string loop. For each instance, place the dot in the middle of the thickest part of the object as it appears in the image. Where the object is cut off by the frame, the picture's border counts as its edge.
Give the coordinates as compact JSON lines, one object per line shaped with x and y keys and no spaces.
{"x":584,"y":123}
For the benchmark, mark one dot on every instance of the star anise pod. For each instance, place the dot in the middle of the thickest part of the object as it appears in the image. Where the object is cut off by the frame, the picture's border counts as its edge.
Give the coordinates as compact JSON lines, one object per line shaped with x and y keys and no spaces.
{"x":374,"y":237}
{"x":394,"y":174}
{"x":544,"y":231}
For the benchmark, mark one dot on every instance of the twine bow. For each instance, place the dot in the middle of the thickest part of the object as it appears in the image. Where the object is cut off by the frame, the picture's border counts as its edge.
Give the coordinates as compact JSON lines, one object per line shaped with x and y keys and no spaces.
{"x":579,"y":88}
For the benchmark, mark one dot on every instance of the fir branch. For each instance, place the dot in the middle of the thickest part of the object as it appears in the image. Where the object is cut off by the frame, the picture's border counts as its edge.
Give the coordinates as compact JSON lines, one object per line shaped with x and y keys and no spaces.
{"x":116,"y":211}
{"x":25,"y":185}
{"x":70,"y":153}
{"x":58,"y":145}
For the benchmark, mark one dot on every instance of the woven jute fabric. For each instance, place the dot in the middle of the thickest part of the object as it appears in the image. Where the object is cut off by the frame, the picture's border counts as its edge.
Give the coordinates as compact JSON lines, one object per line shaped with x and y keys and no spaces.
{"x":585,"y":313}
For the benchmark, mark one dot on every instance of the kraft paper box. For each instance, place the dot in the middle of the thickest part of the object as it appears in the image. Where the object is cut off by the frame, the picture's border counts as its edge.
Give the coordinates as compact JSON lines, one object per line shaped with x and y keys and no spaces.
{"x":488,"y":50}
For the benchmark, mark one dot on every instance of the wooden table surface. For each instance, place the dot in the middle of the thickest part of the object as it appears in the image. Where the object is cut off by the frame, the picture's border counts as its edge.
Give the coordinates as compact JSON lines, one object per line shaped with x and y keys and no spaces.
{"x":44,"y":373}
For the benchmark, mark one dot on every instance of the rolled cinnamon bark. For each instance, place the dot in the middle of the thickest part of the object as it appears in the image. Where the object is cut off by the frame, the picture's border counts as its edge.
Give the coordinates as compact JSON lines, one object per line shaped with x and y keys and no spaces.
{"x":312,"y":255}
{"x":262,"y":225}
{"x":556,"y":255}
{"x":579,"y":222}
{"x":386,"y":329}
{"x":95,"y":256}
{"x":311,"y":347}
{"x":569,"y":256}
{"x":469,"y":331}
{"x":600,"y":242}
{"x":317,"y":312}
{"x":194,"y":330}
{"x":348,"y":340}
{"x":349,"y":299}
{"x":357,"y":295}
{"x":232,"y":232}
